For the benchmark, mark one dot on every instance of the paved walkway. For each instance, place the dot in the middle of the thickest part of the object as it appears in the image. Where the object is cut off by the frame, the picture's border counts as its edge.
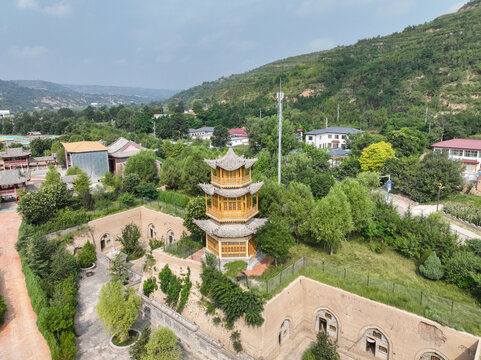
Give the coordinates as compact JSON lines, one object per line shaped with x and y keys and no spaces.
{"x":20,"y":338}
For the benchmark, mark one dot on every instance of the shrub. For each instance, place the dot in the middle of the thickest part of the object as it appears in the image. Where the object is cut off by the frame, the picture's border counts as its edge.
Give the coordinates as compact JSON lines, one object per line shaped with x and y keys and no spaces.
{"x":150,"y":285}
{"x":155,"y":244}
{"x":86,"y":255}
{"x":146,"y":190}
{"x":3,"y":310}
{"x":126,"y":199}
{"x":173,"y":198}
{"x":162,"y":341}
{"x":130,"y":238}
{"x":323,"y":349}
{"x":235,"y":337}
{"x":137,"y":351}
{"x":432,"y":267}
{"x":469,"y":213}
{"x":184,"y":293}
{"x":172,"y":286}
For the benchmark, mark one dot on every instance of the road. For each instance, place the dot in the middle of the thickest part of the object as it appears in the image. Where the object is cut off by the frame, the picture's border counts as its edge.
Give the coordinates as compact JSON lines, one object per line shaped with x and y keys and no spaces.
{"x":19,"y":337}
{"x":402,"y":204}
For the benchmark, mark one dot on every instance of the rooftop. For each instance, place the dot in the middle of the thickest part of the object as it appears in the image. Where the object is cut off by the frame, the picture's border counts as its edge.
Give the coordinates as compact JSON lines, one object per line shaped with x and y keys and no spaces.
{"x":468,"y":144}
{"x":238,"y":132}
{"x":202,"y":129}
{"x":14,"y":152}
{"x":84,"y":146}
{"x":230,"y":161}
{"x":210,"y":189}
{"x":214,"y":228}
{"x":335,"y":130}
{"x":116,"y":148}
{"x":12,"y":177}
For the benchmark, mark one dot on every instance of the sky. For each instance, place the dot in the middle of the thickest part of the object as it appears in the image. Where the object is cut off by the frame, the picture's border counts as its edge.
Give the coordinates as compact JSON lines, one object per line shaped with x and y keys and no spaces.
{"x":177,"y":44}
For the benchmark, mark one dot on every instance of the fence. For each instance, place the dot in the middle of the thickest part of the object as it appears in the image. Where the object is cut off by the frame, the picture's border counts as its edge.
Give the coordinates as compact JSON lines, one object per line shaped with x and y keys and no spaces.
{"x":445,"y":311}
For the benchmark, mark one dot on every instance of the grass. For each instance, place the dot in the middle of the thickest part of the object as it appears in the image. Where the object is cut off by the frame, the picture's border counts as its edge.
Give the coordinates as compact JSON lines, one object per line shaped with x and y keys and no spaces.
{"x":235,"y":267}
{"x":166,"y":208}
{"x":465,"y":199}
{"x":184,"y":247}
{"x":133,"y":336}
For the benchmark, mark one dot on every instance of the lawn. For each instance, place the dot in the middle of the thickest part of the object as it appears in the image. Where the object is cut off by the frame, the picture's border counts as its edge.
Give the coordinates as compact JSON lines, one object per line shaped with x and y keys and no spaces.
{"x":464,"y":199}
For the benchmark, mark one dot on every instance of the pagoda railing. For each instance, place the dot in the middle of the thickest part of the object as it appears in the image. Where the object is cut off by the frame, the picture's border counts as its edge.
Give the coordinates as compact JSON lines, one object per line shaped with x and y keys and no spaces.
{"x":232,"y":215}
{"x":231,"y":181}
{"x":8,"y":193}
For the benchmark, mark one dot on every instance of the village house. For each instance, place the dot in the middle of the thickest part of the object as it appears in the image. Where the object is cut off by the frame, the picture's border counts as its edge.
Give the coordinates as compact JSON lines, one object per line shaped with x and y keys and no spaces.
{"x":204,"y":133}
{"x":89,"y":156}
{"x":238,"y":136}
{"x":120,"y":151}
{"x":11,"y":181}
{"x":19,"y":157}
{"x":330,"y":137}
{"x":468,"y":151}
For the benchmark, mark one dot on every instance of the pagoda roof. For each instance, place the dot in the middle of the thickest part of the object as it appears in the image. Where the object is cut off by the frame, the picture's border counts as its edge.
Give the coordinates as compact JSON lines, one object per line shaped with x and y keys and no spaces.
{"x":14,"y":152}
{"x":12,"y":177}
{"x":230,"y":161}
{"x":236,"y":230}
{"x":210,"y":189}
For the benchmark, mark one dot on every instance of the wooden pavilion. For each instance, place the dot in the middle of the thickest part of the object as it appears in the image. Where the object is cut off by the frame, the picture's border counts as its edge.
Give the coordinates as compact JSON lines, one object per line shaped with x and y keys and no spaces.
{"x":11,"y":181}
{"x":231,"y":201}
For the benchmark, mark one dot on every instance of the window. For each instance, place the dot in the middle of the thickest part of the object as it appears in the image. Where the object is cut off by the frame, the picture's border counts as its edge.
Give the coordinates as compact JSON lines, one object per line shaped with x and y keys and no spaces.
{"x":455,"y":152}
{"x":329,"y":136}
{"x":471,"y":153}
{"x":285,"y":330}
{"x":233,"y":249}
{"x":343,"y":136}
{"x":383,"y":349}
{"x":310,"y":138}
{"x":336,"y":136}
{"x":377,"y":334}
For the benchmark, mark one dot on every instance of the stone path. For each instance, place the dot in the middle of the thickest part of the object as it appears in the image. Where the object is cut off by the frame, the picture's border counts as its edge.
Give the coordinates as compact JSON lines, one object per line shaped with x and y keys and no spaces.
{"x":19,"y":337}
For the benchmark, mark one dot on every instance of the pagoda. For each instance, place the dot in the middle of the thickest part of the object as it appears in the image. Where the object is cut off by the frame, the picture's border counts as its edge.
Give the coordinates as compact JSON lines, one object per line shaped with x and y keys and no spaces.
{"x":231,"y":202}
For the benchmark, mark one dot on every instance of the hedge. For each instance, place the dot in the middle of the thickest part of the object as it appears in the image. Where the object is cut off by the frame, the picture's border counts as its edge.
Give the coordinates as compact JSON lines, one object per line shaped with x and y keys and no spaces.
{"x":174,"y":198}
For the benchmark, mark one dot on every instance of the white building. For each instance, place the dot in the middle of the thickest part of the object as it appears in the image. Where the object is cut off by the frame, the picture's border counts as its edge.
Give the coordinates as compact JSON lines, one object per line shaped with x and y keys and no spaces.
{"x":331,"y":137}
{"x":238,"y":136}
{"x":468,"y":151}
{"x":204,"y":133}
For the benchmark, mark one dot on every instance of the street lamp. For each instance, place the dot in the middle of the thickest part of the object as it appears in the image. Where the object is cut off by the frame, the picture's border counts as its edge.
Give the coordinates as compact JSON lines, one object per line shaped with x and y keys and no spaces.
{"x":439,"y":194}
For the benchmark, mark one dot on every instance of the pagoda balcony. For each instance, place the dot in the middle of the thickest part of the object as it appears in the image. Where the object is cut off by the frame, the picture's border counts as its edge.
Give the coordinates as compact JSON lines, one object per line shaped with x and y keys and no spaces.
{"x":231,"y":181}
{"x":6,"y":193}
{"x":232,"y":215}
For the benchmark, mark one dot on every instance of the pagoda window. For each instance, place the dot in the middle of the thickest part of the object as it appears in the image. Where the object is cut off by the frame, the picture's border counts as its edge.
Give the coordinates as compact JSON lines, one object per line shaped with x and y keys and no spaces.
{"x":215,"y":201}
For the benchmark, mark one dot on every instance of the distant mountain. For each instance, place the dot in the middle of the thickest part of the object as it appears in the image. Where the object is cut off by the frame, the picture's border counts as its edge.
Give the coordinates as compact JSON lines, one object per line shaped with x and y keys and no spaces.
{"x":437,"y":64}
{"x":29,"y":95}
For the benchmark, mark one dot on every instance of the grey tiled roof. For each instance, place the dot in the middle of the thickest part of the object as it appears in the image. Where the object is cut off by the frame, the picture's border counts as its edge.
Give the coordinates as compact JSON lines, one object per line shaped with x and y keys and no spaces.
{"x":334,"y":130}
{"x":231,"y":193}
{"x":12,"y":177}
{"x":205,"y":129}
{"x":42,"y":158}
{"x":230,"y":161}
{"x":214,"y":228}
{"x":14,"y":152}
{"x":115,"y":149}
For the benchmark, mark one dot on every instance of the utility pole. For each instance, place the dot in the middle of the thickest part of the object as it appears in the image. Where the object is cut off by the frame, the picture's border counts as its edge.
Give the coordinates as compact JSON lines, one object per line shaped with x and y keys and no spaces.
{"x":337,"y":112}
{"x":440,"y":187}
{"x":260,"y":114}
{"x":154,"y":129}
{"x":280,"y":97}
{"x":426,"y":116}
{"x":327,"y":121}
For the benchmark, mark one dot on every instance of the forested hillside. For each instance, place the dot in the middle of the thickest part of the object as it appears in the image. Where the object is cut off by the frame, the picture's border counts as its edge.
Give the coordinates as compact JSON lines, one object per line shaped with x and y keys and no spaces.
{"x":437,"y":64}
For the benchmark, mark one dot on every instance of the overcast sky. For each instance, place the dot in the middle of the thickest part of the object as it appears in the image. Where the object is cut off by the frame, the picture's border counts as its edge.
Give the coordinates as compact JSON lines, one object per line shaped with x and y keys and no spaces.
{"x":177,"y":44}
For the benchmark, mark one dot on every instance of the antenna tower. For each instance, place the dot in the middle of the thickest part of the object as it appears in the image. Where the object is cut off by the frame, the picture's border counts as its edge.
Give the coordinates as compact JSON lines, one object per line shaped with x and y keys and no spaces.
{"x":280,"y":97}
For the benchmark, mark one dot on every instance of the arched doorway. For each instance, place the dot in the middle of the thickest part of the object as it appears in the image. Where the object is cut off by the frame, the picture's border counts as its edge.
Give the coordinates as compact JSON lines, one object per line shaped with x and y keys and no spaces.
{"x":284,"y":331}
{"x":170,"y":237}
{"x":376,"y":343}
{"x":105,"y":241}
{"x":326,"y":321}
{"x":432,"y":355}
{"x":151,"y":231}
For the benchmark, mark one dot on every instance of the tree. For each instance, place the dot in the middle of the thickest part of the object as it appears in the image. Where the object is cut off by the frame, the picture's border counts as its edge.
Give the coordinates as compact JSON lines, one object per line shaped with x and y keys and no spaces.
{"x":331,"y":219}
{"x":39,"y":145}
{"x":360,"y":203}
{"x":52,"y":177}
{"x":39,"y":252}
{"x":63,"y":264}
{"x":144,"y":165}
{"x":138,"y":351}
{"x":130,"y":183}
{"x":194,"y":171}
{"x":61,"y":157}
{"x":374,"y":156}
{"x":162,"y":345}
{"x":36,"y":207}
{"x":263,"y":134}
{"x":407,"y":141}
{"x":270,"y":199}
{"x":86,"y":255}
{"x":81,"y":184}
{"x":432,"y":267}
{"x":130,"y":238}
{"x":275,"y":238}
{"x":146,"y":190}
{"x":358,"y":142}
{"x":118,"y":307}
{"x":195,"y":210}
{"x":118,"y":269}
{"x":323,"y":349}
{"x":171,"y":173}
{"x":297,"y":207}
{"x":220,"y":136}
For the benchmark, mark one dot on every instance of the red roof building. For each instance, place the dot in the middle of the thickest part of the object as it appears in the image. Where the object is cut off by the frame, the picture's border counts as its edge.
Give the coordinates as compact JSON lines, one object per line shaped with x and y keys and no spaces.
{"x":238,"y":132}
{"x":468,"y":151}
{"x":238,"y":136}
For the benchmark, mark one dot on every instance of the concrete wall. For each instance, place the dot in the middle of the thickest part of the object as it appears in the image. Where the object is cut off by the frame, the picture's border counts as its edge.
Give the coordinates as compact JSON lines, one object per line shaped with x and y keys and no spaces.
{"x":141,"y":216}
{"x":409,"y":335}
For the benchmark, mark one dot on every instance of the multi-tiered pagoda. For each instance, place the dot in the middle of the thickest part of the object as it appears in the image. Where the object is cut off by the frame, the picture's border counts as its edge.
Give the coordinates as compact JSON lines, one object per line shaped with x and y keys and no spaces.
{"x":231,"y":202}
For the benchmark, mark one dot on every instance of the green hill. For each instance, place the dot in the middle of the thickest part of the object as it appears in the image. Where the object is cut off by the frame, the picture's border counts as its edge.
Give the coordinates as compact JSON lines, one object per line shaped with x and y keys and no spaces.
{"x":437,"y":64}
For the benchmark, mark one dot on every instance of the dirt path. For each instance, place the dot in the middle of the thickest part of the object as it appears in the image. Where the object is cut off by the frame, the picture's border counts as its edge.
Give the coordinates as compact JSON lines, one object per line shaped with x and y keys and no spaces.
{"x":19,"y":337}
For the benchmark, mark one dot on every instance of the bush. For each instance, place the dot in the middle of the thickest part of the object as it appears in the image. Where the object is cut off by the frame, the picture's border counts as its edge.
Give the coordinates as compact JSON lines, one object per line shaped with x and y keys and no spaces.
{"x":126,"y":199}
{"x":184,"y":247}
{"x":235,"y":337}
{"x":150,"y":285}
{"x":130,"y":238}
{"x":146,"y":190}
{"x":137,"y":351}
{"x":469,"y":213}
{"x":86,"y":255}
{"x":173,"y":198}
{"x":323,"y":349}
{"x":3,"y":310}
{"x":172,"y":286}
{"x":432,"y":267}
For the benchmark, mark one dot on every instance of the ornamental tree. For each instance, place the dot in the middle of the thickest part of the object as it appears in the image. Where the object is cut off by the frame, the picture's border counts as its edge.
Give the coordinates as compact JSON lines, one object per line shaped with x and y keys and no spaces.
{"x":432,"y":267}
{"x":118,"y":307}
{"x":162,"y":345}
{"x":144,"y":165}
{"x":374,"y":156}
{"x":360,"y":203}
{"x":130,"y":238}
{"x":275,"y":238}
{"x":195,"y":210}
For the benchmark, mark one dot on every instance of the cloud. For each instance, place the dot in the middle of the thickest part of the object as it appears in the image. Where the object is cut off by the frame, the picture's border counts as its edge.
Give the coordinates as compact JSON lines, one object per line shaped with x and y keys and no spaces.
{"x":27,"y":4}
{"x":321,"y":44}
{"x":310,"y":7}
{"x":28,"y":51}
{"x":59,"y":10}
